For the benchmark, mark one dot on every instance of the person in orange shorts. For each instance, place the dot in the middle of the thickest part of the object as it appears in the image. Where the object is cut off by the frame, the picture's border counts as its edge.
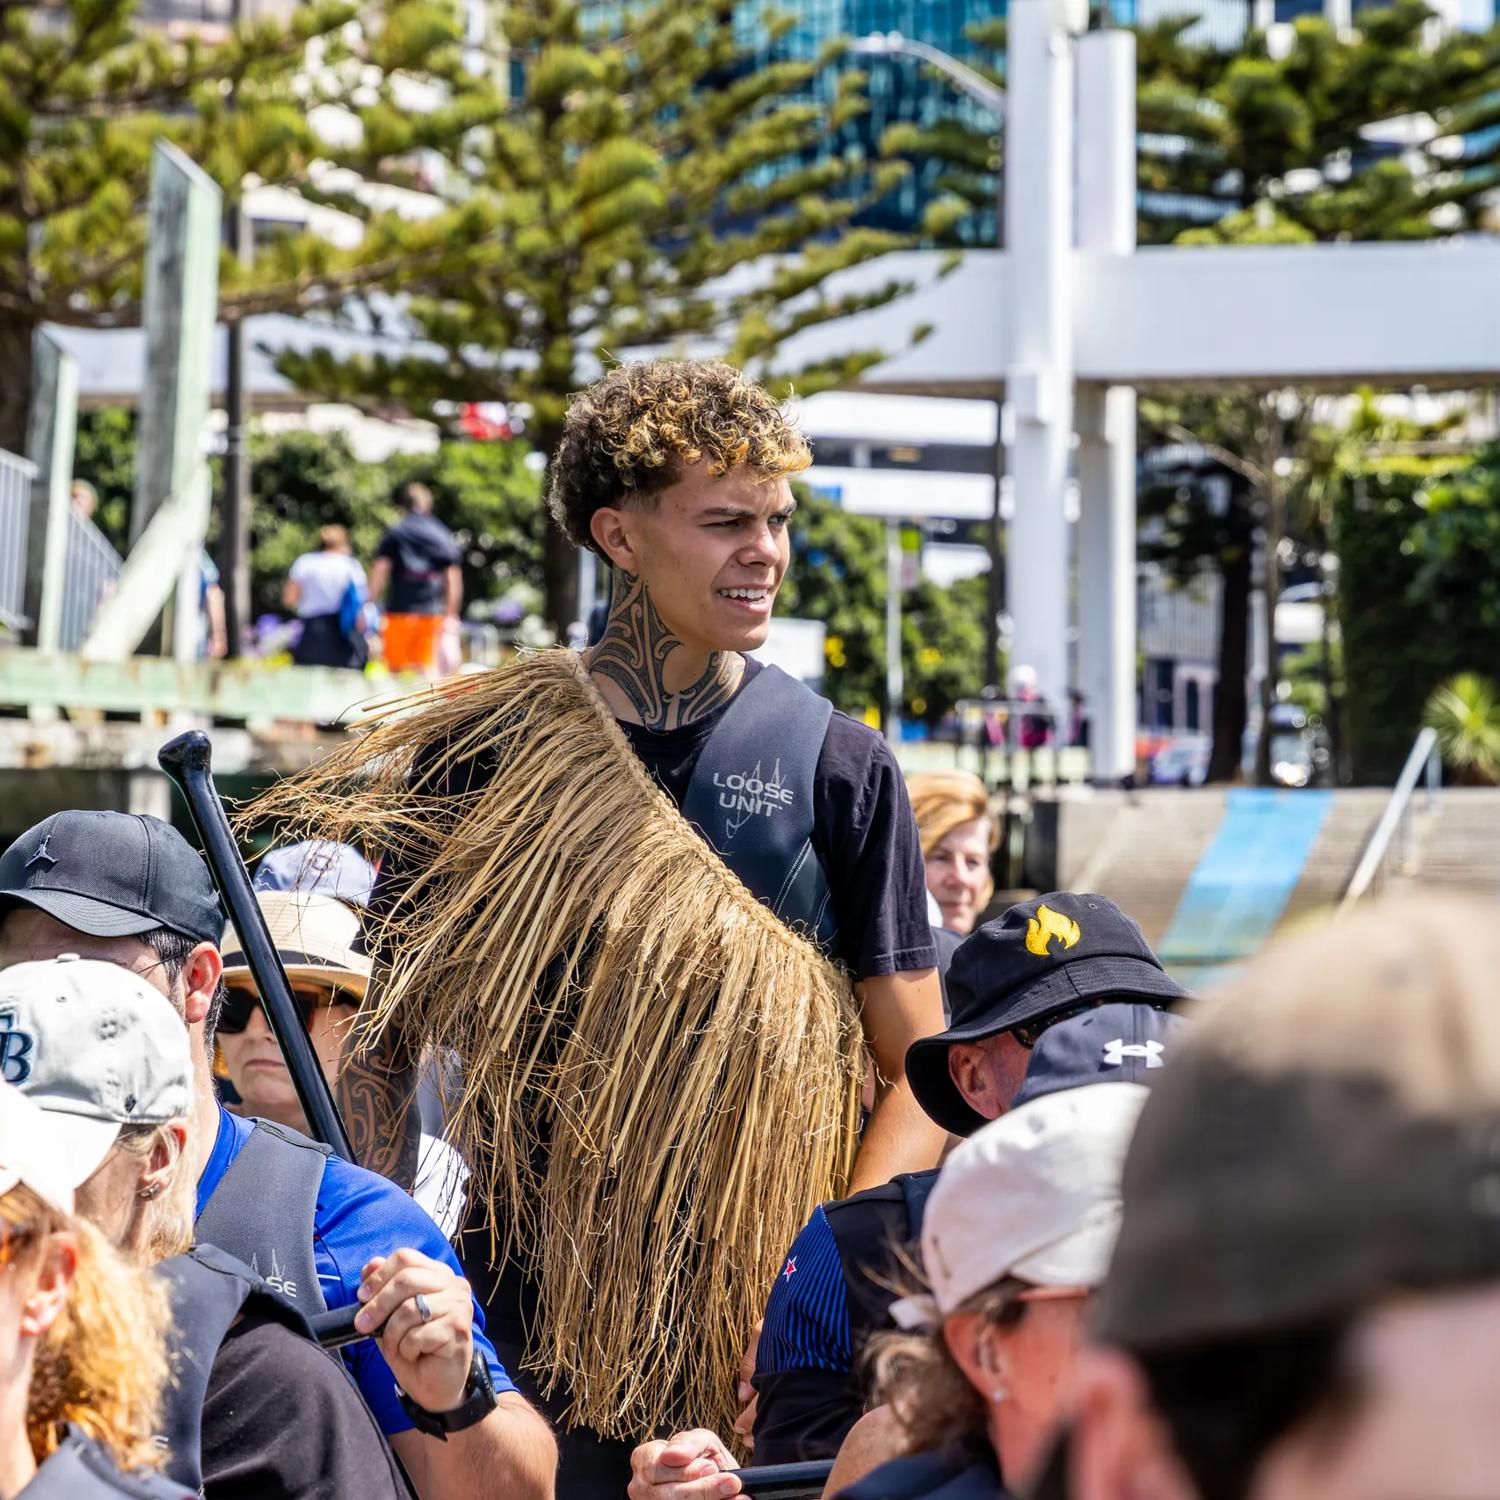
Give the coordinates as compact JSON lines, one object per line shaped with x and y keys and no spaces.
{"x":418,"y":562}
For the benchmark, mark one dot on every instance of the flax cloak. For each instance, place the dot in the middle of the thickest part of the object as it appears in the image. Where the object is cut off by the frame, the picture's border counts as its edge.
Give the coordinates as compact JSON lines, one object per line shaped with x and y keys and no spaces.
{"x":689,"y":1064}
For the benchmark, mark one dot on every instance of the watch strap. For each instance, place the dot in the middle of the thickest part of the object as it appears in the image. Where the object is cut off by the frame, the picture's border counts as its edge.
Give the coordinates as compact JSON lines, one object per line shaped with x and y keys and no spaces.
{"x":479,"y":1401}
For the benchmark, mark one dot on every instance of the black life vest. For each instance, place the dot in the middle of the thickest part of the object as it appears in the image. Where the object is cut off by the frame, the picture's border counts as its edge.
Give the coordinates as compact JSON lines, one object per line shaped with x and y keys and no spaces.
{"x":751,"y":797}
{"x":870,"y":1229}
{"x":262,"y":1212}
{"x":81,"y":1470}
{"x":208,"y":1291}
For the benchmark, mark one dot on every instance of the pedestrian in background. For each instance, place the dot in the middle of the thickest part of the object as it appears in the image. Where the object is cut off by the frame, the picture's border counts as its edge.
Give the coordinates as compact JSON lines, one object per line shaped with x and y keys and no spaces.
{"x":327,"y":591}
{"x":958,"y":834}
{"x":416,"y":576}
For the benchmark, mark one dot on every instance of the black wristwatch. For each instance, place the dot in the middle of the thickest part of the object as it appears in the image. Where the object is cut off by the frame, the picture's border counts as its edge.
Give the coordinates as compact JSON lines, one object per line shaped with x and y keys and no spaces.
{"x":479,"y":1401}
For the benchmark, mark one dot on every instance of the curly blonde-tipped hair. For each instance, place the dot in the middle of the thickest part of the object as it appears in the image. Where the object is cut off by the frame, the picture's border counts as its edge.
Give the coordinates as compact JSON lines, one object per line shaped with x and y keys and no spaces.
{"x":628,"y":436}
{"x":102,"y":1366}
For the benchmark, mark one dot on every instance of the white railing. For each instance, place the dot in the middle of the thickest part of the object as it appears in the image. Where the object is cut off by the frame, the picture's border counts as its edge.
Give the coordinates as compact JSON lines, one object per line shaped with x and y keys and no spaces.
{"x":90,"y":572}
{"x":16,"y":475}
{"x":1396,"y":819}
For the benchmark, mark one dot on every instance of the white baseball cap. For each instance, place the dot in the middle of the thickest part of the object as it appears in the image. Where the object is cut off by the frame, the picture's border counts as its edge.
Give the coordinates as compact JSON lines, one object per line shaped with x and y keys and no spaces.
{"x":30,"y":1153}
{"x":96,"y":1048}
{"x":1034,"y":1195}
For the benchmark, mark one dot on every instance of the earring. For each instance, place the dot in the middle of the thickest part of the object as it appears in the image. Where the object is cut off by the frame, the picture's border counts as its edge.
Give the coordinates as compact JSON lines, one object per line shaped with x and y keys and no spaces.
{"x":999,"y":1393}
{"x":150,"y":1192}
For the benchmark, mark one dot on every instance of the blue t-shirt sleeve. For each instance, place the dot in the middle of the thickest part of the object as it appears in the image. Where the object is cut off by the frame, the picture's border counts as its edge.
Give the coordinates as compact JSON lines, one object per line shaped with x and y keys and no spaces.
{"x":361,"y":1215}
{"x":807,"y":1317}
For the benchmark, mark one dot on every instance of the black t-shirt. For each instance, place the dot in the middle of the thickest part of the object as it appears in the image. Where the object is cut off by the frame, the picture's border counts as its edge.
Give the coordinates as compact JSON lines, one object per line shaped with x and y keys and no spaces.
{"x":863,"y":833}
{"x":282,"y":1419}
{"x":420,"y":550}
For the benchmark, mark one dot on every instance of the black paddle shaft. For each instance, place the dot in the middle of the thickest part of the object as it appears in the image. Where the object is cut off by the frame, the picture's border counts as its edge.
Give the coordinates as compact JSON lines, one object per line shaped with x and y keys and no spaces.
{"x":188,"y":760}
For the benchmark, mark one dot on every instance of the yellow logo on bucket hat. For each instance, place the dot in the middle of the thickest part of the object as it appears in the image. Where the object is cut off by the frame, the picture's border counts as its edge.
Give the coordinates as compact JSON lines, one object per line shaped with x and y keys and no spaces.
{"x":1046,"y":925}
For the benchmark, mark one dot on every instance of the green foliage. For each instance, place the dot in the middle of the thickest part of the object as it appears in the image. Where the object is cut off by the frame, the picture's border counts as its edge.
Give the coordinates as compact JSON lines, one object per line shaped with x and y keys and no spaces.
{"x":1407,"y":625}
{"x":85,"y":91}
{"x":1227,"y":130}
{"x":485,"y":492}
{"x":105,"y":456}
{"x":1465,"y":711}
{"x":1239,"y":147}
{"x":838,"y":575}
{"x":488,"y":493}
{"x":647,"y":169}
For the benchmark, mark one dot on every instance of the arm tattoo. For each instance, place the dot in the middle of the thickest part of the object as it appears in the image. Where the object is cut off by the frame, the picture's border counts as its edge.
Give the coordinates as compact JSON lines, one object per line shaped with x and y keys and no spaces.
{"x":632,"y":653}
{"x":377,"y":1096}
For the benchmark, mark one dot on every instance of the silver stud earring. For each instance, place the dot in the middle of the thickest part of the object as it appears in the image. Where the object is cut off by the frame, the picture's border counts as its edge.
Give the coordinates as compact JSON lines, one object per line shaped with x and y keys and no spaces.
{"x":999,"y":1393}
{"x":150,"y":1192}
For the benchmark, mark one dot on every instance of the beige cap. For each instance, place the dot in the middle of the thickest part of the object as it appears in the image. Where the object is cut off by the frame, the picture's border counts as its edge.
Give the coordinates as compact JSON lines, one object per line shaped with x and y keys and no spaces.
{"x":1327,"y":1134}
{"x":316,"y":936}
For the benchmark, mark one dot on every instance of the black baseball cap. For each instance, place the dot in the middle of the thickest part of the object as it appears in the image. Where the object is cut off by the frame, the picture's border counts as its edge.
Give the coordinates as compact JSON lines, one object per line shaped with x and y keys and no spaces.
{"x":1117,"y":1042}
{"x":112,"y":874}
{"x":1037,"y":958}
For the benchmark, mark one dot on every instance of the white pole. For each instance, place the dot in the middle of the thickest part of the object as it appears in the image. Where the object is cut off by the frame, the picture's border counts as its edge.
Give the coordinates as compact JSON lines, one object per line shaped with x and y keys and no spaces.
{"x":1038,"y":383}
{"x":895,"y":678}
{"x":1106,"y":415}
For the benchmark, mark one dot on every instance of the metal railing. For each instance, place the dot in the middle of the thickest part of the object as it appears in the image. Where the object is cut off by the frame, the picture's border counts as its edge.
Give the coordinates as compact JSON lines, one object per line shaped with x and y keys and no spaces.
{"x":90,"y":572}
{"x":16,"y":474}
{"x":1395,"y":821}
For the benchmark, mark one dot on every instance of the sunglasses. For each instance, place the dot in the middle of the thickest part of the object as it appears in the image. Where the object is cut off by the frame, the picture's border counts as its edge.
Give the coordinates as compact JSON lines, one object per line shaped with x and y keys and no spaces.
{"x":1029,"y":1033}
{"x":241,"y":1001}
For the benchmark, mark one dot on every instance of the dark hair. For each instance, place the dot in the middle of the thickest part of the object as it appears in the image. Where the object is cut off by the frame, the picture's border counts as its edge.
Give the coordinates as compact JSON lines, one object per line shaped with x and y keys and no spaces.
{"x":1229,"y":1402}
{"x":414,"y":496}
{"x":172,"y":950}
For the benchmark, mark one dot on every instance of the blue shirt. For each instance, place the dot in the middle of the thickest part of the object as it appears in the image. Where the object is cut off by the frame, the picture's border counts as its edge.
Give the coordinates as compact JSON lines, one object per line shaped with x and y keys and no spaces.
{"x":359,"y":1215}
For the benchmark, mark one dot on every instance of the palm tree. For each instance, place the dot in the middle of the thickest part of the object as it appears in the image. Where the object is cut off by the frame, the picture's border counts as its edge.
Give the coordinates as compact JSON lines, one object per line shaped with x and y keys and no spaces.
{"x":1465,"y":711}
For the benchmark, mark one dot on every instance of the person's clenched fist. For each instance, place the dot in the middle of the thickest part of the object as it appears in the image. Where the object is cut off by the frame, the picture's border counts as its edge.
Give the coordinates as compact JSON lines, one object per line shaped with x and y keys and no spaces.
{"x":428,"y":1343}
{"x":687,"y":1466}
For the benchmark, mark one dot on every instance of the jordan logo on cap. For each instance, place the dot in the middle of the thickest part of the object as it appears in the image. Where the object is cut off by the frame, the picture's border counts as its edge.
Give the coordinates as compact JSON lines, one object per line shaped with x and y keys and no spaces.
{"x":42,"y":853}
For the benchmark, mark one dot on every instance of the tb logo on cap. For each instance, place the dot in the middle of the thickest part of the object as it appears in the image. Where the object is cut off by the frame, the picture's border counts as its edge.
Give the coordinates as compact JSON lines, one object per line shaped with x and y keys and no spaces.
{"x":1046,"y":925}
{"x":15,"y":1049}
{"x":1117,"y":1051}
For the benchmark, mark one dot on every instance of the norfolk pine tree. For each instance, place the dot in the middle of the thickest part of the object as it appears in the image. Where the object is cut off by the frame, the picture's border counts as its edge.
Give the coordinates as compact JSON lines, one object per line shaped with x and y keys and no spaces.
{"x":656,"y":187}
{"x":1251,"y":146}
{"x":84,"y":92}
{"x":1277,"y":150}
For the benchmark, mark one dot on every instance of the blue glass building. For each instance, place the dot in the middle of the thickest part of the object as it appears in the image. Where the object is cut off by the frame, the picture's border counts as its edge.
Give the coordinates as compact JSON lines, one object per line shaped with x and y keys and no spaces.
{"x":899,"y":91}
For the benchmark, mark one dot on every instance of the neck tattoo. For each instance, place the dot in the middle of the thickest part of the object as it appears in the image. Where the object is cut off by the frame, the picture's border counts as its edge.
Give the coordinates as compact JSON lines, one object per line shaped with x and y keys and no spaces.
{"x":633,"y":654}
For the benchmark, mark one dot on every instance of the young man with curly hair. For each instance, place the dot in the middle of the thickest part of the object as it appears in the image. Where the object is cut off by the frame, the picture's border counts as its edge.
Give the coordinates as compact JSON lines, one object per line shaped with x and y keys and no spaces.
{"x":661,"y":901}
{"x":677,"y":475}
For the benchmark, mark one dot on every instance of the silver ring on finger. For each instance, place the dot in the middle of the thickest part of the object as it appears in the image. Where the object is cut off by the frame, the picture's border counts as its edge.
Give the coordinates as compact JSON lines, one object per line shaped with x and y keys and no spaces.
{"x":424,"y":1311}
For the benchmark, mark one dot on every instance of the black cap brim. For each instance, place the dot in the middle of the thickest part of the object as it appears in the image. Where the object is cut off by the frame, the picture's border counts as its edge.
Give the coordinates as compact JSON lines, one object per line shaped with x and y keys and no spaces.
{"x":84,"y":913}
{"x":1115,"y":976}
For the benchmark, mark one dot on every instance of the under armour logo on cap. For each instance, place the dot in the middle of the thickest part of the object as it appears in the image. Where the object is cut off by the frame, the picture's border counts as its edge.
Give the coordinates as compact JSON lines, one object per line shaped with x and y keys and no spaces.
{"x":1117,"y":1051}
